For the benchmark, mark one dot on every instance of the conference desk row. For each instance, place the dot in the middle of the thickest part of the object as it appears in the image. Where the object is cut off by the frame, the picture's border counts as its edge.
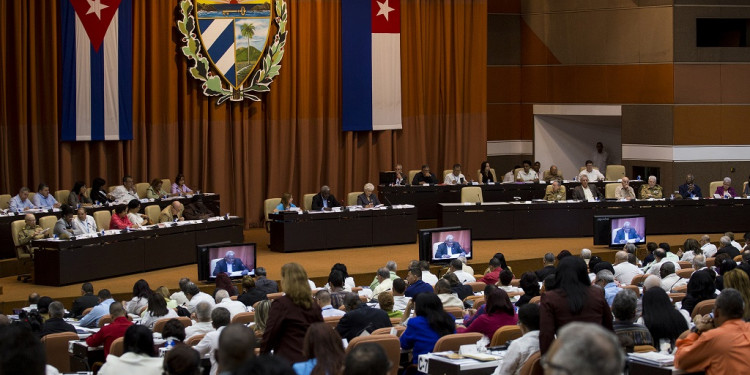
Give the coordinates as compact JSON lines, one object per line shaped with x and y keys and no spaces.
{"x":211,"y":201}
{"x":293,"y":231}
{"x":427,"y":198}
{"x":61,"y":262}
{"x":506,"y":220}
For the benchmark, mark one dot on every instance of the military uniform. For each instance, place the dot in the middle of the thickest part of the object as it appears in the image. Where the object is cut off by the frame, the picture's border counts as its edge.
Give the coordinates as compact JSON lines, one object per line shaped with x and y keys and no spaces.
{"x":555,"y":196}
{"x":27,"y":234}
{"x":550,"y":178}
{"x":651,"y":192}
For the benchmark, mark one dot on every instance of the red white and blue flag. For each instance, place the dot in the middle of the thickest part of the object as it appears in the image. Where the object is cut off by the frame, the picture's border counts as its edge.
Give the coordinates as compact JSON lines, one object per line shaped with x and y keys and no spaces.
{"x":97,"y":76}
{"x":371,"y":60}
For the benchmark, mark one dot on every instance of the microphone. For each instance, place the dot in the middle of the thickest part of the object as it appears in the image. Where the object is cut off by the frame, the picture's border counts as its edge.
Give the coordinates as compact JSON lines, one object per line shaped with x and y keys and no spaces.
{"x":390,"y":205}
{"x":479,"y":200}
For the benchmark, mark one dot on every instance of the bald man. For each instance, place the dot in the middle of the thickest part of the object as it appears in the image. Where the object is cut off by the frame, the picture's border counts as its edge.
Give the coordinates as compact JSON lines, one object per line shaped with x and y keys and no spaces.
{"x":553,"y":174}
{"x":31,"y":231}
{"x":624,"y":191}
{"x":230,"y":264}
{"x":625,"y":271}
{"x":171,"y":213}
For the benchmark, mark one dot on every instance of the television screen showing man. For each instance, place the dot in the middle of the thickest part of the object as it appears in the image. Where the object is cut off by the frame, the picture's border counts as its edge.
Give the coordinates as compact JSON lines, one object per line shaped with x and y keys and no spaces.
{"x":230,"y":264}
{"x":450,"y":247}
{"x":631,"y":230}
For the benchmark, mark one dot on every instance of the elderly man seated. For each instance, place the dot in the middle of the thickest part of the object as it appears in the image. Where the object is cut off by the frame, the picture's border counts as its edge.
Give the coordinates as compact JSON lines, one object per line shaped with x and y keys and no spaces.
{"x":230,"y":264}
{"x":31,"y":231}
{"x":669,"y":279}
{"x":171,"y":213}
{"x":651,"y":190}
{"x":21,"y":202}
{"x":557,"y":193}
{"x":449,"y":248}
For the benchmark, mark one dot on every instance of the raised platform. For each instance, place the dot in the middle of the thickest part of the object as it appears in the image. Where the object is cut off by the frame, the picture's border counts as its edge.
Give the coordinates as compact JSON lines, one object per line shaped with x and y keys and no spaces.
{"x":522,"y":255}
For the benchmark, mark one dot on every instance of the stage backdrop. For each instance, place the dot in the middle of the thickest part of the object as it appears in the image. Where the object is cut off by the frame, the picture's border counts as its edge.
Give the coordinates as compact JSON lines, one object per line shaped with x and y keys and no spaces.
{"x":291,"y":141}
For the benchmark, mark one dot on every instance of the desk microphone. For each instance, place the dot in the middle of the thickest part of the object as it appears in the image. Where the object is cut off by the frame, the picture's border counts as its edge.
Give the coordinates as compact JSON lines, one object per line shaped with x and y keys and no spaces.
{"x":390,"y":205}
{"x":479,"y":200}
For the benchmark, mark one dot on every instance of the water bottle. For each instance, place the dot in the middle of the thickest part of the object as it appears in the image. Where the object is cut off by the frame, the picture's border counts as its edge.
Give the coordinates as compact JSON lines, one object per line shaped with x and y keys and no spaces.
{"x":639,"y":177}
{"x":671,"y":197}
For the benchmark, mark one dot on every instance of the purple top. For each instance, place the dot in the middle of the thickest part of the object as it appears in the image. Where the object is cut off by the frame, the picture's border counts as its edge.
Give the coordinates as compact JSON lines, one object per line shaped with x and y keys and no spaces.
{"x":487,"y":324}
{"x":720,"y":191}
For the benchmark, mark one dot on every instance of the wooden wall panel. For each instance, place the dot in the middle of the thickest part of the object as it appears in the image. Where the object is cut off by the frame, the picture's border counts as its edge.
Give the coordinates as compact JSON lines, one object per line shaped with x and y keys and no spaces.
{"x":710,"y":124}
{"x":503,"y":84}
{"x":697,"y":83}
{"x":503,"y":39}
{"x":647,"y":124}
{"x":504,"y":6}
{"x":503,"y":122}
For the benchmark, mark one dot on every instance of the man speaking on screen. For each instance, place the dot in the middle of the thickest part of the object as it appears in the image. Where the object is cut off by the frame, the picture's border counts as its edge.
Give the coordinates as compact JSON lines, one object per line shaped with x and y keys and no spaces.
{"x":229,"y":265}
{"x":626,"y":234}
{"x":449,"y":249}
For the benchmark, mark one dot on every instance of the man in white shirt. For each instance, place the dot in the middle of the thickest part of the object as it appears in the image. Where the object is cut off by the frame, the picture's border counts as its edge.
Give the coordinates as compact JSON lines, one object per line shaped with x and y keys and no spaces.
{"x":202,"y":323}
{"x":82,"y":223}
{"x":522,"y":348}
{"x":509,"y":177}
{"x":734,"y":243}
{"x":591,"y":173}
{"x":624,"y":270}
{"x":600,"y":157}
{"x":195,"y":296}
{"x":323,"y":297}
{"x":43,"y":199}
{"x":709,"y":249}
{"x":669,"y":279}
{"x":427,"y":276}
{"x":180,"y":296}
{"x":466,"y":267}
{"x":385,"y":284}
{"x":399,"y":300}
{"x":234,"y":307}
{"x":527,"y":174}
{"x":125,"y":192}
{"x":660,"y":257}
{"x":457,"y":269}
{"x":209,"y":344}
{"x":456,"y":177}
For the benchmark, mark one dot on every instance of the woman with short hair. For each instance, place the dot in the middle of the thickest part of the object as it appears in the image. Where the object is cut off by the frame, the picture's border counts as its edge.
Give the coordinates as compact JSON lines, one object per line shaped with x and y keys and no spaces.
{"x":286,"y":203}
{"x":155,"y":190}
{"x":368,"y":199}
{"x":179,"y":187}
{"x":78,"y":196}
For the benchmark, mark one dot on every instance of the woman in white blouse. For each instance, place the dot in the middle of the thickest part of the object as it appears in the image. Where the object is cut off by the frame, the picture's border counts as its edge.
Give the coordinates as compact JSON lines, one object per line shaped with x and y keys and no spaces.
{"x":83,"y":223}
{"x":137,"y":219}
{"x":156,"y":310}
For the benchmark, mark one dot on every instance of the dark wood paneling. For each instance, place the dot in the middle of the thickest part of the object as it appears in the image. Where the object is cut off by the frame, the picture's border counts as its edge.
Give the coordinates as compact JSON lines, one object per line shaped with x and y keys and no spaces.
{"x":647,"y":124}
{"x":503,"y":39}
{"x":503,"y":84}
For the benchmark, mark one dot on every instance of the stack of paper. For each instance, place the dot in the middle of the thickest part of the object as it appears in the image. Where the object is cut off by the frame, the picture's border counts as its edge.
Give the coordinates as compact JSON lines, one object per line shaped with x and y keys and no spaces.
{"x":653,"y":358}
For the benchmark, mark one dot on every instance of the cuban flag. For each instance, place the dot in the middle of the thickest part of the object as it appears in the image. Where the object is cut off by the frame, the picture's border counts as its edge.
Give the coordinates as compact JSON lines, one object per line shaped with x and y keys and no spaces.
{"x":371,"y":59}
{"x":97,"y":76}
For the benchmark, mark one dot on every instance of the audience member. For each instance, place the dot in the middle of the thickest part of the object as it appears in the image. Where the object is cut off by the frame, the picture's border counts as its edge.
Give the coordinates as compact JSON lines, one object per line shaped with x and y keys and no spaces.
{"x":290,"y":315}
{"x":180,"y":296}
{"x":700,"y":288}
{"x":630,"y":333}
{"x":529,"y":283}
{"x":690,"y":248}
{"x":427,"y":276}
{"x":669,"y":279}
{"x":572,"y":299}
{"x":234,"y":307}
{"x":360,"y":318}
{"x":709,"y":249}
{"x":660,"y":316}
{"x":430,"y":324}
{"x":236,"y":346}
{"x":367,"y":358}
{"x":522,"y":348}
{"x":461,"y":290}
{"x":323,"y":350}
{"x":548,"y":266}
{"x":505,"y":280}
{"x":399,"y":298}
{"x":164,"y":293}
{"x":416,"y":285}
{"x":718,"y":344}
{"x":661,"y":256}
{"x":210,"y":343}
{"x":385,"y":284}
{"x":262,"y":309}
{"x":195,"y":296}
{"x":250,"y":292}
{"x":727,"y":248}
{"x":323,"y":297}
{"x":138,"y":356}
{"x":173,"y":330}
{"x":202,"y":323}
{"x":91,"y":319}
{"x":392,"y":267}
{"x":336,"y":287}
{"x":445,"y":293}
{"x":499,"y":313}
{"x":156,"y":310}
{"x":585,"y":349}
{"x":86,"y":300}
{"x":493,"y":276}
{"x":386,"y":304}
{"x":182,"y":360}
{"x":112,"y":331}
{"x":21,"y":352}
{"x":141,"y":292}
{"x":55,"y":323}
{"x":263,"y":283}
{"x":738,"y":280}
{"x":606,"y":280}
{"x":624,"y":270}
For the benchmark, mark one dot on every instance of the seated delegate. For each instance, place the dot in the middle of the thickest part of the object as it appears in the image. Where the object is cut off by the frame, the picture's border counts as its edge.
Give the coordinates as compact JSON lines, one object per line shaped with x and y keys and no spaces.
{"x":368,"y":199}
{"x":425,"y":177}
{"x":324,"y":201}
{"x":449,"y":249}
{"x":286,"y":203}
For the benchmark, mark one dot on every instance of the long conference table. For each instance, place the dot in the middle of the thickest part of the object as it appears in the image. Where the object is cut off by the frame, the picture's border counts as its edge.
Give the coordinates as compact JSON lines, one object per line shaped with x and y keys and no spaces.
{"x":212,"y":202}
{"x":427,"y":198}
{"x":506,"y":220}
{"x":61,"y":262}
{"x":293,"y":231}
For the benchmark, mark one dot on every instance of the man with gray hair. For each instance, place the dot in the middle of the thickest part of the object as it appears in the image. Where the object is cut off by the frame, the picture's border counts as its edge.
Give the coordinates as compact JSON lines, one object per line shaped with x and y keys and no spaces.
{"x":323,"y":298}
{"x":699,"y":262}
{"x":392,"y":268}
{"x":202,"y":322}
{"x":624,"y":309}
{"x":727,"y":248}
{"x":457,"y":268}
{"x":548,"y":268}
{"x":584,"y":349}
{"x":234,"y":307}
{"x":449,"y":249}
{"x":734,"y":243}
{"x":669,"y":279}
{"x":195,"y":296}
{"x":624,"y":270}
{"x":652,"y":281}
{"x":717,"y":345}
{"x":180,"y":296}
{"x":230,"y":264}
{"x":606,"y":280}
{"x":709,"y":249}
{"x":324,"y":201}
{"x":55,"y":323}
{"x":385,"y":284}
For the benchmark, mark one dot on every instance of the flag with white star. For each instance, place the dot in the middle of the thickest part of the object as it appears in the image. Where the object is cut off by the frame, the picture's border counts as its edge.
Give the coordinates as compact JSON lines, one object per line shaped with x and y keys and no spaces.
{"x":371,"y":60}
{"x":97,"y":74}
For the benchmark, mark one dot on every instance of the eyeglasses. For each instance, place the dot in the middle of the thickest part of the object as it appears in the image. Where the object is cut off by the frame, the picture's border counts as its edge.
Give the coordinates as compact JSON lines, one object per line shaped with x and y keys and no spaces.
{"x":547,"y":365}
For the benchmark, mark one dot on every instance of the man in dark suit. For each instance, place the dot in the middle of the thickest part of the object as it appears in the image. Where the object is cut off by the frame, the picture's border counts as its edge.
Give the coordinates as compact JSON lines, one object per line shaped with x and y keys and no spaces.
{"x":360,"y":317}
{"x":449,"y":248}
{"x":424,"y":177}
{"x":264,"y":284}
{"x":230,"y":264}
{"x":580,"y":192}
{"x":55,"y":323}
{"x":727,"y":248}
{"x":86,"y":300}
{"x":324,"y":201}
{"x":626,"y":231}
{"x":549,"y":267}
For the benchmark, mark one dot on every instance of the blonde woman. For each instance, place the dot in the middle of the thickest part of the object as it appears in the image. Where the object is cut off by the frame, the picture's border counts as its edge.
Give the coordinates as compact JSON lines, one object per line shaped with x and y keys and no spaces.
{"x":738,"y":279}
{"x":290,"y":316}
{"x":261,"y":317}
{"x":368,"y":199}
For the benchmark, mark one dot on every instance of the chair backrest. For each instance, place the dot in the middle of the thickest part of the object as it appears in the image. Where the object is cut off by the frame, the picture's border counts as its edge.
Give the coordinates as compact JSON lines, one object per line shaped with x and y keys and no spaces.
{"x":505,"y":333}
{"x":32,"y":195}
{"x":492,"y":170}
{"x":638,"y":279}
{"x":677,"y":297}
{"x":738,"y":258}
{"x":274,"y":295}
{"x":56,"y":349}
{"x":445,"y":173}
{"x":194,"y":340}
{"x":609,"y":190}
{"x":395,"y":321}
{"x":307,"y":200}
{"x":102,"y":219}
{"x":614,"y":172}
{"x":477,"y":286}
{"x":5,"y":201}
{"x":106,"y":319}
{"x":471,"y":194}
{"x":244,"y":317}
{"x":710,"y":262}
{"x":536,"y":299}
{"x":48,"y":222}
{"x":332,"y":321}
{"x":387,"y":330}
{"x":712,"y":188}
{"x":390,"y":345}
{"x":634,"y":288}
{"x":533,"y":365}
{"x":351,"y":198}
{"x":515,"y":172}
{"x":159,"y":325}
{"x":166,"y":185}
{"x":117,"y":347}
{"x":683,"y":264}
{"x":15,"y":228}
{"x":112,"y":188}
{"x":153,"y":213}
{"x":269,"y":205}
{"x":454,"y":341}
{"x":685,"y":273}
{"x":457,"y":312}
{"x":141,"y":188}
{"x":186,"y":322}
{"x":643,"y":349}
{"x":87,"y":193}
{"x":703,"y":308}
{"x":680,"y":289}
{"x":62,"y":195}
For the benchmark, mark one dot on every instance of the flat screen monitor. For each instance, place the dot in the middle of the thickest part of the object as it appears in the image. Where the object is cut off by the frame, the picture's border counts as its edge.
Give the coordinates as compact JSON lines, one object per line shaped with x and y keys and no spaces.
{"x":624,"y":230}
{"x":440,"y":245}
{"x":387,"y":178}
{"x":236,"y":260}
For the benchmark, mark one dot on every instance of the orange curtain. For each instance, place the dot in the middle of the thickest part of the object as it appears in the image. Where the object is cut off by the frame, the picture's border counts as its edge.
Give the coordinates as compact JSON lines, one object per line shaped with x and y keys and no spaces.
{"x":291,"y":141}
